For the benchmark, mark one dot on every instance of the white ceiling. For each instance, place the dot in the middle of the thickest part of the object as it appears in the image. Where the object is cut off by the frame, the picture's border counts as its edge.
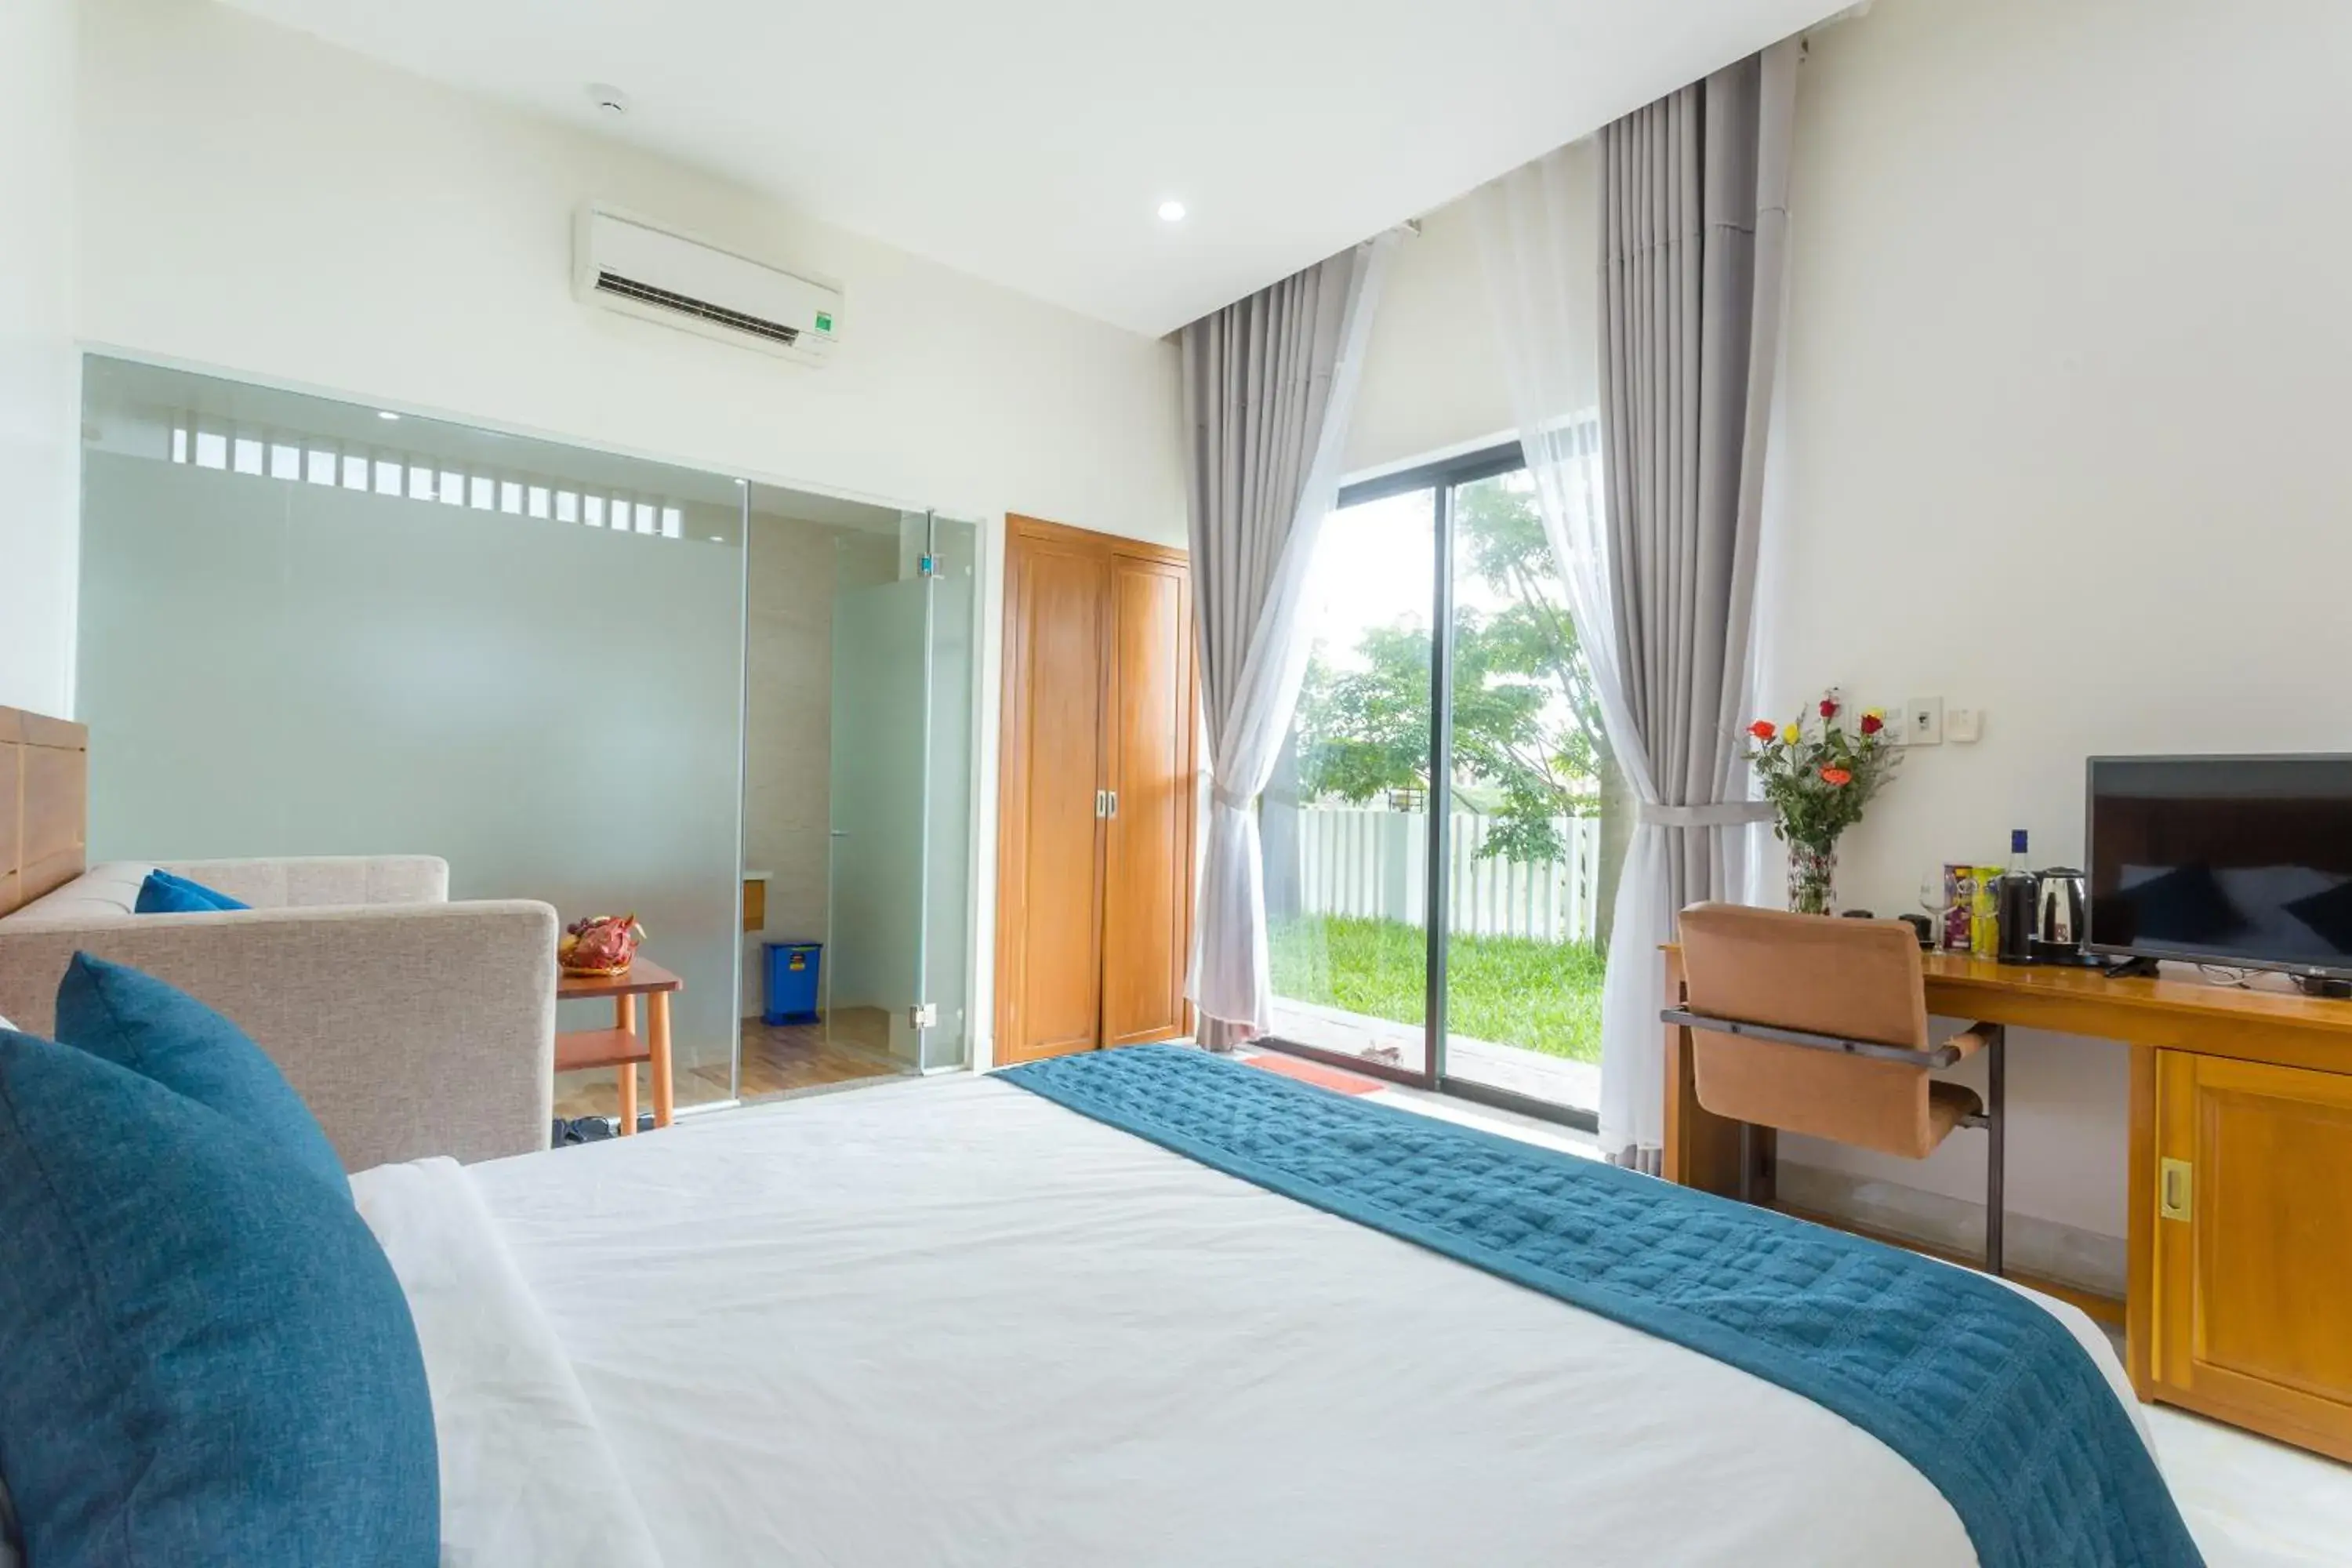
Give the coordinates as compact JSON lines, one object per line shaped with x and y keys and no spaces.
{"x":1030,"y":142}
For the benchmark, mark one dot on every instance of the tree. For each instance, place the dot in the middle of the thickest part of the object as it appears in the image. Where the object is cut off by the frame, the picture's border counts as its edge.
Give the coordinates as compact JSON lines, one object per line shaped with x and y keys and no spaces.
{"x":1527,"y":722}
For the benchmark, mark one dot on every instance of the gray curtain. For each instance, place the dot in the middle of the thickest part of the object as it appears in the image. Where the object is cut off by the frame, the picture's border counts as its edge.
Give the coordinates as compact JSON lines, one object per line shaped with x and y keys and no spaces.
{"x":1269,"y":385}
{"x":1694,"y":251}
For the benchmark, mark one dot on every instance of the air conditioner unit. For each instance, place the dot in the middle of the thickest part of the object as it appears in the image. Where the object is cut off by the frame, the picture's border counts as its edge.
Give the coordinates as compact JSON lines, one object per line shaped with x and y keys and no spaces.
{"x":625,"y":264}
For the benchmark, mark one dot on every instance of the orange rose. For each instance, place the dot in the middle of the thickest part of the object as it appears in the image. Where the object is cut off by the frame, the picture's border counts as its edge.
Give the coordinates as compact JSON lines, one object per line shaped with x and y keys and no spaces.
{"x":1836,"y":776}
{"x":1763,"y":729}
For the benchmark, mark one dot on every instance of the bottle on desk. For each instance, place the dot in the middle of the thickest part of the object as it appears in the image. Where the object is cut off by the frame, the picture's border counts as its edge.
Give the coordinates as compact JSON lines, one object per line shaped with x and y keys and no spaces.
{"x":2013,"y":905}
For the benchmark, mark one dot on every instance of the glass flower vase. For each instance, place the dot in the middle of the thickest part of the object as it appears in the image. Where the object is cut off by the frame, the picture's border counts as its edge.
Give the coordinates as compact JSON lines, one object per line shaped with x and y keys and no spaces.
{"x":1812,"y":879}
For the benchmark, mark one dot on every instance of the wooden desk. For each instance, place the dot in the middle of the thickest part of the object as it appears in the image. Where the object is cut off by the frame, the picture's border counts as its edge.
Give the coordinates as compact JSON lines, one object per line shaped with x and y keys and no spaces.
{"x":621,"y":1047}
{"x":2239,"y":1186}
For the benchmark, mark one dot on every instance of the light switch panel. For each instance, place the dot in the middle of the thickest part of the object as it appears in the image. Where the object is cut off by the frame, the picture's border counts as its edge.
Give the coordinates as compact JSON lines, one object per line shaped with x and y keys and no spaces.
{"x":1963,"y":726}
{"x":1923,"y":721}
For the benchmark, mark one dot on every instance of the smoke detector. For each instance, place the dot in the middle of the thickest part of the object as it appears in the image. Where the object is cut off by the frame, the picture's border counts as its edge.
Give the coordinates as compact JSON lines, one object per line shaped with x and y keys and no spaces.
{"x":610,"y":102}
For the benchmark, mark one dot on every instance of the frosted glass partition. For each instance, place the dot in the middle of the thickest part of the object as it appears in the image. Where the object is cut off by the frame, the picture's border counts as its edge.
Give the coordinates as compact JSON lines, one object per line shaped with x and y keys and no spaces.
{"x":307,"y":629}
{"x":873,"y":948}
{"x":948,"y":862}
{"x":905,"y":686}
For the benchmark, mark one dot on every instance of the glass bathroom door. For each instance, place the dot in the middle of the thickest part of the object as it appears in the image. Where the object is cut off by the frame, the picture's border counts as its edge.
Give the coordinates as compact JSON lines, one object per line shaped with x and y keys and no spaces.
{"x":898,"y":929}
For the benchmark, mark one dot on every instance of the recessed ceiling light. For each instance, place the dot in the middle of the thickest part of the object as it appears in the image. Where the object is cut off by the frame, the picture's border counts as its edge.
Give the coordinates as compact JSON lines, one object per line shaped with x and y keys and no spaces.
{"x":385,"y":413}
{"x":610,"y":101}
{"x":1172,"y":211}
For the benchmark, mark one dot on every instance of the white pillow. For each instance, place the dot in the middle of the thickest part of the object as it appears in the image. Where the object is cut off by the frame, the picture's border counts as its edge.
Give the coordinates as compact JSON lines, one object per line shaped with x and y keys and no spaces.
{"x":5,"y":1023}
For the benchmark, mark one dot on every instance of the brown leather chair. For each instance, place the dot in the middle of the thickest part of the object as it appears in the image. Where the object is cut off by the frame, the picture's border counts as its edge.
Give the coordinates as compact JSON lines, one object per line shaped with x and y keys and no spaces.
{"x":1819,"y":1026}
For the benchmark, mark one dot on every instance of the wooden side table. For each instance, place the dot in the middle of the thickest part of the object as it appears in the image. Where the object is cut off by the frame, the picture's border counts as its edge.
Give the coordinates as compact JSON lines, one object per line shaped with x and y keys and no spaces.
{"x":621,"y":1047}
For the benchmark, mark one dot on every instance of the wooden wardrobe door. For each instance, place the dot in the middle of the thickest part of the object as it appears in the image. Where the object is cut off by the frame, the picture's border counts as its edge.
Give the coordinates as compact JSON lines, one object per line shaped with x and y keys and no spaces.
{"x":1148,"y":859}
{"x":1049,"y":919}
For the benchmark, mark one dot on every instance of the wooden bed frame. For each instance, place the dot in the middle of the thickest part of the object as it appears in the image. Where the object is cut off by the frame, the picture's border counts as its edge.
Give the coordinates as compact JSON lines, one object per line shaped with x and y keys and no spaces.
{"x":44,"y":805}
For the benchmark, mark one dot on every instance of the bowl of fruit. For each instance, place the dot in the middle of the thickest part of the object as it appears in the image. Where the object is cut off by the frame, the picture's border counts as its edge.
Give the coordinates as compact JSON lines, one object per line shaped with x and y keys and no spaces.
{"x":599,"y":945}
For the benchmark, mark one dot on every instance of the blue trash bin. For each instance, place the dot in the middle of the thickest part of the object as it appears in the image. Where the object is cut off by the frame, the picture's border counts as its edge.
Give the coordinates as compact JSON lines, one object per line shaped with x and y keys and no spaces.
{"x":790,"y":994}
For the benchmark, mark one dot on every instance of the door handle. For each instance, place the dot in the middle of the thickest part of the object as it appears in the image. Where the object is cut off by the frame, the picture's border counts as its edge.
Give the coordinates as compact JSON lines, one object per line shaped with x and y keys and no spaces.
{"x":2175,"y":1182}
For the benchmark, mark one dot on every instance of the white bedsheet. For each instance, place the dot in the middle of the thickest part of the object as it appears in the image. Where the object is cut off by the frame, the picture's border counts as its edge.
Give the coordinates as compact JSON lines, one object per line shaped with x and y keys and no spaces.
{"x":948,"y":1322}
{"x":526,"y":1474}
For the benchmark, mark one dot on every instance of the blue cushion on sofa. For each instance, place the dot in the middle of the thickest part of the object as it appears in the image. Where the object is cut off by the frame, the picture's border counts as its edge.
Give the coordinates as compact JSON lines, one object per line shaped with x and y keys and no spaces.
{"x":163,"y":894}
{"x":136,"y":1020}
{"x":209,"y":1359}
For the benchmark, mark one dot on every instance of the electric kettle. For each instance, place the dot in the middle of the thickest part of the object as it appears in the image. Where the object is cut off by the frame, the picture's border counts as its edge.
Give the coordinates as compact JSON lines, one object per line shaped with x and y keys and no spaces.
{"x":2061,"y":896}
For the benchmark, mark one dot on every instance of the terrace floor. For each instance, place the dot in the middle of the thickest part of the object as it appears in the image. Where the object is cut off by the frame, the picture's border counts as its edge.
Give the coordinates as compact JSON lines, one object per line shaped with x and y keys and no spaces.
{"x":1530,"y":1073}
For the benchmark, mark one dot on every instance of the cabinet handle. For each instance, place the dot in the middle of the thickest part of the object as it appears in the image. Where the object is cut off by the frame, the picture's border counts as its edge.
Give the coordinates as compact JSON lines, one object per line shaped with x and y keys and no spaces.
{"x":2174,"y":1183}
{"x":1114,"y":801}
{"x":1100,"y":809}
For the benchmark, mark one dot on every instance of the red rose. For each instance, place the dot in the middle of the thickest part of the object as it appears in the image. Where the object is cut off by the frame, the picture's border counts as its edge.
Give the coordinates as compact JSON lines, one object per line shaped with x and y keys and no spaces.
{"x":1829,"y":706}
{"x":1836,"y":776}
{"x":1871,"y":723}
{"x":1763,"y":729}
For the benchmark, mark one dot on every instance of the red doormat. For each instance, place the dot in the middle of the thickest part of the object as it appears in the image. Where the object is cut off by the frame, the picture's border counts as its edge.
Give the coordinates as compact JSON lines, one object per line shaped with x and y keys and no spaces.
{"x":1337,"y":1080}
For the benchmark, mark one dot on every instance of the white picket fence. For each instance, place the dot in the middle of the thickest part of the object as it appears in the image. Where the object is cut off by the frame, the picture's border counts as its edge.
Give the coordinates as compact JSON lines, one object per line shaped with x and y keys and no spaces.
{"x":1376,"y":863}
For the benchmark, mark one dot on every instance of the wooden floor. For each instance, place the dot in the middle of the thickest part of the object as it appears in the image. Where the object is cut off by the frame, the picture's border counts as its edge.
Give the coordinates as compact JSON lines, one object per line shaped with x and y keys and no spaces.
{"x":776,"y":1060}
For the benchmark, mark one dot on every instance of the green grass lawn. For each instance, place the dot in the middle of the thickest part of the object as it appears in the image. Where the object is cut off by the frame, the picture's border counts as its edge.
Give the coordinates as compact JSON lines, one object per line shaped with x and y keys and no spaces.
{"x":1545,"y":996}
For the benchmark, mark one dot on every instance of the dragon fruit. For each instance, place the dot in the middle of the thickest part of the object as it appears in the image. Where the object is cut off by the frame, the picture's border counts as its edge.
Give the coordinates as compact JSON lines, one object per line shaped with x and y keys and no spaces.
{"x":601,"y":944}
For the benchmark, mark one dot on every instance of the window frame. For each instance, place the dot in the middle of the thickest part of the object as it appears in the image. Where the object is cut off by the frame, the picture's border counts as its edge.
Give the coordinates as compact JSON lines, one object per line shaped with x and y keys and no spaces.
{"x":1441,"y":477}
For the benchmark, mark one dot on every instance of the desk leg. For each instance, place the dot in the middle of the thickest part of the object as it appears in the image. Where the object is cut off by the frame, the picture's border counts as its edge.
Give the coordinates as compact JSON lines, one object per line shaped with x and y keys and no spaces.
{"x":625,"y":1017}
{"x":657,"y":1039}
{"x":2140,"y":1221}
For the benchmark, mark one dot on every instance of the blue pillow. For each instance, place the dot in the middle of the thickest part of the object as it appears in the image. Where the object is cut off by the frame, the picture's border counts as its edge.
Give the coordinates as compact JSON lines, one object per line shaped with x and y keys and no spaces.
{"x":136,"y":1020}
{"x":163,"y":894}
{"x":209,"y":1359}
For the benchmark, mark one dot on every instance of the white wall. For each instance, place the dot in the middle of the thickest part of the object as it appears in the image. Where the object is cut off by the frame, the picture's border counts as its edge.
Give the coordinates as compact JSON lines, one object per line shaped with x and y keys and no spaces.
{"x":2069,"y":373}
{"x":1432,"y":377}
{"x":40,"y":372}
{"x":257,"y":202}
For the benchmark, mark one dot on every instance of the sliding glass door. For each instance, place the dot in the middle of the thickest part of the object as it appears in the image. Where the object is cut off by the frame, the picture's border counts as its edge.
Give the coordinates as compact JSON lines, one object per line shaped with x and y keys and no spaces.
{"x":1346,"y":822}
{"x":1522,"y":875}
{"x":1444,"y":774}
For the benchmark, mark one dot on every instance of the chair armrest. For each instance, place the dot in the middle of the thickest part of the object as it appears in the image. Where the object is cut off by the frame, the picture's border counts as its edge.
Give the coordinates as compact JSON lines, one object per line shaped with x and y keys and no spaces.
{"x":409,"y":1029}
{"x":1972,"y":1039}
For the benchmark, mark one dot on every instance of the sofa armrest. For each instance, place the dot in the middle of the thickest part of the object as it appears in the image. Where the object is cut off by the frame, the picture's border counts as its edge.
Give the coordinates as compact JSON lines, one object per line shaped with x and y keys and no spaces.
{"x":409,"y":1029}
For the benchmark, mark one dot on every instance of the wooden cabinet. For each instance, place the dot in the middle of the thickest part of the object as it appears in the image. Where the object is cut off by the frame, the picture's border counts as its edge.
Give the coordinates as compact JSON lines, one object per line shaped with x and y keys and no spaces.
{"x":2250,"y":1306}
{"x":1096,"y":797}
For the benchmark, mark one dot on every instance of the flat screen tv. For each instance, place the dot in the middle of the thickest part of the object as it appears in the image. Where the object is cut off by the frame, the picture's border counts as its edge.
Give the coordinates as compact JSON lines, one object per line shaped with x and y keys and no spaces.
{"x":2243,"y":862}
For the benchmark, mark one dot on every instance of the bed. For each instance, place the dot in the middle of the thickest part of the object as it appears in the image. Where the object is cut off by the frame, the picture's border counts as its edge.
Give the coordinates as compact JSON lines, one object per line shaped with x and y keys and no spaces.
{"x":1138,"y":1307}
{"x":958,"y":1321}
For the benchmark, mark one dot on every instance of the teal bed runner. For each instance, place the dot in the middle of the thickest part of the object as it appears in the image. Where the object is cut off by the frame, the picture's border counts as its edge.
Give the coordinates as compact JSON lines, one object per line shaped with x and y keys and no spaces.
{"x":1979,"y":1390}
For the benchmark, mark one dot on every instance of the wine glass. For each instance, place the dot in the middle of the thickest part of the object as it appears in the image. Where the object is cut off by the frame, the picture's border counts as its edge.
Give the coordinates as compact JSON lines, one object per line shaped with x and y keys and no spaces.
{"x":1933,"y":899}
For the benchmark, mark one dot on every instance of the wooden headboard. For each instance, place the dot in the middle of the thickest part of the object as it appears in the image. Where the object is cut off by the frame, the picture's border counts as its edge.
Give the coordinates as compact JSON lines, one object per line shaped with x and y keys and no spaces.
{"x":44,"y":805}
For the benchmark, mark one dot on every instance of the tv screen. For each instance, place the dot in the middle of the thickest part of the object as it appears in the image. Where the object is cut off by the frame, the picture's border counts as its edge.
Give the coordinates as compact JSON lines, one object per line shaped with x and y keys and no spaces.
{"x":2227,"y":861}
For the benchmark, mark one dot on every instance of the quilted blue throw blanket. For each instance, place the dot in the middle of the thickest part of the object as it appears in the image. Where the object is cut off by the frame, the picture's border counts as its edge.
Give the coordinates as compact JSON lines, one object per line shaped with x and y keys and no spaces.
{"x":1981,"y":1391}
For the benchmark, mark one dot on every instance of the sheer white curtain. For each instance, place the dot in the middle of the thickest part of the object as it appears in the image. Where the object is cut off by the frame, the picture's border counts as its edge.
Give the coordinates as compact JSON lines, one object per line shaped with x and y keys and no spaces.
{"x":1539,"y":229}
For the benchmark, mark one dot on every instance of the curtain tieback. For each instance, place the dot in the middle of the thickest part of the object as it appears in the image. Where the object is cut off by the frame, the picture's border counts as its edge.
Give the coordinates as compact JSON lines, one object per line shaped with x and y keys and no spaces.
{"x":1227,"y":798}
{"x":1723,"y":814}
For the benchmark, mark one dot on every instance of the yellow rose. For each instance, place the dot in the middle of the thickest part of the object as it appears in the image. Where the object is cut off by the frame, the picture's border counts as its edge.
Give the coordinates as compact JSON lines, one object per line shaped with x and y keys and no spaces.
{"x":1792,"y":734}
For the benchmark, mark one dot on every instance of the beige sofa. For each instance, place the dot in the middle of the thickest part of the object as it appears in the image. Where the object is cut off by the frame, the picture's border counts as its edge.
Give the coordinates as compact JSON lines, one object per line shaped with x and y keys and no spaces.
{"x":411,"y":1025}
